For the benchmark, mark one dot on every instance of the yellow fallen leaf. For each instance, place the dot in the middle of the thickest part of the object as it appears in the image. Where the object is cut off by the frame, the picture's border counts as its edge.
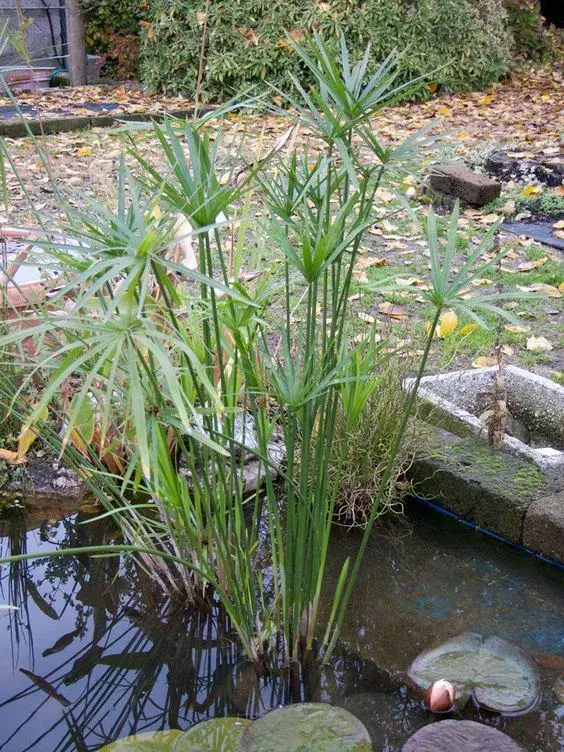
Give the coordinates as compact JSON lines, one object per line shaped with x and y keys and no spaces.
{"x":484,"y":361}
{"x":463,"y":135}
{"x":468,"y":329}
{"x":447,"y":323}
{"x":486,"y":100}
{"x":538,"y":344}
{"x":27,"y":437}
{"x":10,"y":457}
{"x":482,"y":282}
{"x":531,"y":190}
{"x":84,"y":151}
{"x":446,"y":111}
{"x":561,"y":288}
{"x":515,"y":329}
{"x":366,"y":262}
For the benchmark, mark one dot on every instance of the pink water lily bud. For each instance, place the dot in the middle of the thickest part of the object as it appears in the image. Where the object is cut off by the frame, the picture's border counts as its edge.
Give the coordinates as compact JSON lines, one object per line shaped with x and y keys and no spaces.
{"x":440,"y":696}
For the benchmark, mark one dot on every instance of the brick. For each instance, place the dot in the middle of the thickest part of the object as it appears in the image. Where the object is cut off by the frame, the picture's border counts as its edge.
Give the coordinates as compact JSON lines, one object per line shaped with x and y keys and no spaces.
{"x":543,"y":528}
{"x":465,"y":184}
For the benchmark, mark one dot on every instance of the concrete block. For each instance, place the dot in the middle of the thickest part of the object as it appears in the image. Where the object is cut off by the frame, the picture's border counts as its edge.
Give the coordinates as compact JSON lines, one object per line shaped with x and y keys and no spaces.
{"x":543,"y":528}
{"x":465,"y":184}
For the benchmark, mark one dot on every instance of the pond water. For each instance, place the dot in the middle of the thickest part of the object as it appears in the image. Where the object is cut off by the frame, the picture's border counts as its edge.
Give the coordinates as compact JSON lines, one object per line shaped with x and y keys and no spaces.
{"x":93,"y":654}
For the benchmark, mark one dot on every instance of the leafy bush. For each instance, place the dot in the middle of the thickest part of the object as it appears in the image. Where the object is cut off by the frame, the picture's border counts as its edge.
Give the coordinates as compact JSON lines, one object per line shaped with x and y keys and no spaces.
{"x":247,"y":41}
{"x":112,"y":29}
{"x":526,"y":24}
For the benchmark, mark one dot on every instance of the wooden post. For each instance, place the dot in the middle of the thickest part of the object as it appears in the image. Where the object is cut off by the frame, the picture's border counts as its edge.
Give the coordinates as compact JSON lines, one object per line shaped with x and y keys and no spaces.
{"x":76,"y":43}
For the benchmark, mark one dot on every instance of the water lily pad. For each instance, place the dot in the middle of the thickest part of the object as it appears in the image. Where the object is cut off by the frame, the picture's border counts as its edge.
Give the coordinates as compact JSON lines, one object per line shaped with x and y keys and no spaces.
{"x":496,"y":672}
{"x":314,"y":727}
{"x":153,"y":741}
{"x":462,"y":736}
{"x":216,"y":735}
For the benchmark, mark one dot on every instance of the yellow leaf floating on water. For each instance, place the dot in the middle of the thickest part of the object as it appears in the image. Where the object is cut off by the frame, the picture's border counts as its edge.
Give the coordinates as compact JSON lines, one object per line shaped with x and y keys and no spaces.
{"x":468,"y":329}
{"x":447,"y":324}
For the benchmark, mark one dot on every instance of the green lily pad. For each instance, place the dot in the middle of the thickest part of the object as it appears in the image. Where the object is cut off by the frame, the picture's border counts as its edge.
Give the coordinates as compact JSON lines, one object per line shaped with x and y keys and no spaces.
{"x":308,"y":727}
{"x":153,"y":741}
{"x":497,"y":673}
{"x":462,"y":736}
{"x":216,"y":735}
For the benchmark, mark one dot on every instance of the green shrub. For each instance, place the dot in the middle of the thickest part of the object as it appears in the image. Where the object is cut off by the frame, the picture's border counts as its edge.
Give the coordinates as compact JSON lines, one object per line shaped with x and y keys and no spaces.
{"x":112,"y":29}
{"x":247,"y":40}
{"x":531,"y":38}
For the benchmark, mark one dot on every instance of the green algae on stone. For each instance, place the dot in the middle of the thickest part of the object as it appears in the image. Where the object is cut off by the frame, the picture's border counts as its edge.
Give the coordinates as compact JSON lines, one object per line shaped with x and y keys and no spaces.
{"x":215,"y":735}
{"x":307,"y":727}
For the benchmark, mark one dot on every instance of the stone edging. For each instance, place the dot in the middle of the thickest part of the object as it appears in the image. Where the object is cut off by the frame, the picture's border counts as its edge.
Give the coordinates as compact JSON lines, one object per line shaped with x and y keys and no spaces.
{"x":20,"y":127}
{"x":507,"y":495}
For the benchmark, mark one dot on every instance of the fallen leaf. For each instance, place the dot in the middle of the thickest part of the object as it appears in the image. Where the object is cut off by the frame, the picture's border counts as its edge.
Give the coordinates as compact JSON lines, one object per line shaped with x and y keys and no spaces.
{"x":515,"y":329}
{"x":538,"y":344}
{"x":394,"y":311}
{"x":447,"y":323}
{"x":550,"y":290}
{"x":409,"y":281}
{"x":484,"y":361}
{"x":558,"y":225}
{"x":84,"y":151}
{"x":446,"y":111}
{"x":366,"y":262}
{"x":559,"y":190}
{"x":366,"y":317}
{"x":468,"y":329}
{"x":486,"y":100}
{"x":11,"y":457}
{"x":531,"y":190}
{"x":482,"y":282}
{"x":489,"y":219}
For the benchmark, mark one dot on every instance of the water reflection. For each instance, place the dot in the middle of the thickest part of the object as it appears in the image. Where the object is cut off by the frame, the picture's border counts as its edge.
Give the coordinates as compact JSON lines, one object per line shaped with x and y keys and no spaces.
{"x":94,"y":652}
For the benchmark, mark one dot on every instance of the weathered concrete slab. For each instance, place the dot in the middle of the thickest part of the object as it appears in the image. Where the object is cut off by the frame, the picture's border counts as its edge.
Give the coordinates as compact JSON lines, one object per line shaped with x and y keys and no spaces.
{"x":543,"y":528}
{"x":493,"y":489}
{"x":465,"y":184}
{"x":454,"y":401}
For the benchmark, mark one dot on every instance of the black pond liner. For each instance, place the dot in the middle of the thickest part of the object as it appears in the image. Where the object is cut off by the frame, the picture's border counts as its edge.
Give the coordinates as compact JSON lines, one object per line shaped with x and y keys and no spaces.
{"x":539,"y":231}
{"x":486,"y":531}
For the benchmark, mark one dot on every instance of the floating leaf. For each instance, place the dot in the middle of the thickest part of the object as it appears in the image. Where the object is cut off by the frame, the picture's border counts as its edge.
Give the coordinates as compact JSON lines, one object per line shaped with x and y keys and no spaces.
{"x":539,"y":344}
{"x":447,"y":324}
{"x":495,"y":672}
{"x":153,"y":741}
{"x":216,"y":735}
{"x":462,"y":736}
{"x":315,"y":727}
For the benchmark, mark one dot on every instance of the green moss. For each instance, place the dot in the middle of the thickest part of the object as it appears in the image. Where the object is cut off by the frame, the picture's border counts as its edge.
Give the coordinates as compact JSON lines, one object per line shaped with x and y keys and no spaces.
{"x":509,"y":475}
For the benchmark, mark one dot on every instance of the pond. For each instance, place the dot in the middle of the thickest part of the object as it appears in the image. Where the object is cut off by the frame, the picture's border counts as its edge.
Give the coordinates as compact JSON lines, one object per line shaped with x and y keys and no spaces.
{"x":93,"y":653}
